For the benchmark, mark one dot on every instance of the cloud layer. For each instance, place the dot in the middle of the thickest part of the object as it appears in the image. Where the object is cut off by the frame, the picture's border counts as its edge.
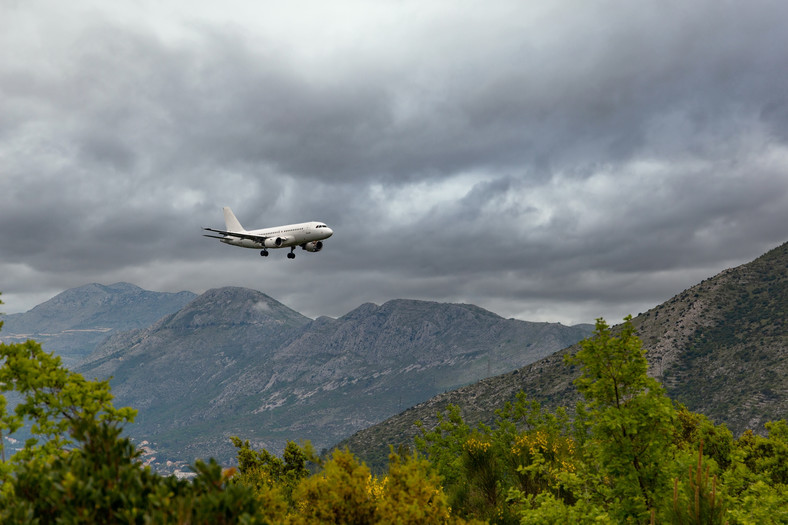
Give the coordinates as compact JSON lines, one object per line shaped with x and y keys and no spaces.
{"x":558,"y":162}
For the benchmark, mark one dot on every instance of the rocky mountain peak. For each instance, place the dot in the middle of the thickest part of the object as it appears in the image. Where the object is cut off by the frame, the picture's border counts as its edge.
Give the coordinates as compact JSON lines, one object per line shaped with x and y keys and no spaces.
{"x":235,"y":306}
{"x":72,"y":323}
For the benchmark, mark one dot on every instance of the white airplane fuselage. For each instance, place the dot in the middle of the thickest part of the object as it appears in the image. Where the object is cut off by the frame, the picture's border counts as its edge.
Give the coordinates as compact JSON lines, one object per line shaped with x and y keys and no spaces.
{"x":308,"y":235}
{"x":289,"y":235}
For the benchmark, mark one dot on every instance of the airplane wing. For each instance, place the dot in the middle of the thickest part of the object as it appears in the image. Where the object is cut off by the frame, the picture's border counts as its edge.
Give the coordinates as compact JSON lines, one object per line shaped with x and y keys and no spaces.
{"x":239,"y":235}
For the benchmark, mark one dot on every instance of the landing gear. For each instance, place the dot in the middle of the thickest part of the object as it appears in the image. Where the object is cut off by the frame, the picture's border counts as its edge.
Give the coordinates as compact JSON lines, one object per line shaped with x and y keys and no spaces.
{"x":291,"y":255}
{"x":264,"y":253}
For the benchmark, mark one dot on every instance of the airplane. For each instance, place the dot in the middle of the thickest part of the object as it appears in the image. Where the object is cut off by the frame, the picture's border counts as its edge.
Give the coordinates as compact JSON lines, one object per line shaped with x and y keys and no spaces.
{"x":308,"y":235}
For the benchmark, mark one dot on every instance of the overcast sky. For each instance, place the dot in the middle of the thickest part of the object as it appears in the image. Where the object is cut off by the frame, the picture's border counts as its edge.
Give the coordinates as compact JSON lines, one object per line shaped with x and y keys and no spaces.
{"x":549,"y":161}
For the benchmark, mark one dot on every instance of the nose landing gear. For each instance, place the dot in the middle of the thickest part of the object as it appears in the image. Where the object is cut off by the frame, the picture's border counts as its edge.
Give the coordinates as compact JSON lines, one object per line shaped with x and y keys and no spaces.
{"x":264,"y":253}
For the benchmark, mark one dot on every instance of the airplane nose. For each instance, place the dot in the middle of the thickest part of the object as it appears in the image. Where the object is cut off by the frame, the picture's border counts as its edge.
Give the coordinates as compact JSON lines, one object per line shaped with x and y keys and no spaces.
{"x":330,"y":232}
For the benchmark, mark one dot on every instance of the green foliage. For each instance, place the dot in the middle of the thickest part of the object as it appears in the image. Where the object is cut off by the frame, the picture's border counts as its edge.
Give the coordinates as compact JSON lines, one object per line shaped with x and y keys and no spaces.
{"x":760,"y":504}
{"x":692,"y":429}
{"x":344,"y":491}
{"x":270,"y":476}
{"x":697,"y":500}
{"x":78,"y":469}
{"x":755,"y":480}
{"x":412,"y":493}
{"x":631,"y":420}
{"x":545,"y":509}
{"x":526,"y":451}
{"x":54,"y":401}
{"x":102,"y":481}
{"x":444,"y":444}
{"x":627,"y":455}
{"x":339,"y":494}
{"x":769,"y":455}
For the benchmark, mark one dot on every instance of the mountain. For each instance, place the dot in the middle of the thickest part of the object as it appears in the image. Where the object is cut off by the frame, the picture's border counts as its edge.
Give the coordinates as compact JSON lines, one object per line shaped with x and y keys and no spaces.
{"x":236,"y":362}
{"x":723,"y":348}
{"x":72,"y":323}
{"x":720,"y":347}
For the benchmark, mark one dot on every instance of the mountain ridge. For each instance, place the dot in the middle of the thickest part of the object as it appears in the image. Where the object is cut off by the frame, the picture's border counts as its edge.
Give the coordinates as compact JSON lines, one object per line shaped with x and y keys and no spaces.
{"x":236,"y":362}
{"x":74,"y":322}
{"x":720,"y":347}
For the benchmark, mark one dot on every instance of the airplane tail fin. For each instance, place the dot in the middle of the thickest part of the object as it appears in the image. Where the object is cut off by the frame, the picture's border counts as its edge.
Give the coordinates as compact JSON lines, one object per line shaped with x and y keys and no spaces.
{"x":231,"y":222}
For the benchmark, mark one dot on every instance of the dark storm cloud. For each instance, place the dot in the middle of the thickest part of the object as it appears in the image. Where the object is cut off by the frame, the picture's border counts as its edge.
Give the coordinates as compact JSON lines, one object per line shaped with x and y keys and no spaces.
{"x":567,"y":159}
{"x":585,"y":99}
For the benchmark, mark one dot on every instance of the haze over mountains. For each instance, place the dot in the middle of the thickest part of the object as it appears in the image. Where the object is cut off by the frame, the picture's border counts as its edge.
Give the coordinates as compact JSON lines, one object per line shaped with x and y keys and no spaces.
{"x":234,"y":361}
{"x":72,"y":323}
{"x":720,"y":347}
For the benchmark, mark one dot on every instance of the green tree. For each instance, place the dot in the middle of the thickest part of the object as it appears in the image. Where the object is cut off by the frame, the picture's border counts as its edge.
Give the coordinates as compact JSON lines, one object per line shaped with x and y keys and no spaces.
{"x":755,"y":481}
{"x":77,"y":468}
{"x":630,"y":420}
{"x":769,"y":455}
{"x":273,"y":479}
{"x":488,"y":471}
{"x":103,"y":481}
{"x":698,"y":500}
{"x":412,"y":493}
{"x":53,"y":400}
{"x":342,"y":490}
{"x":338,"y":494}
{"x":443,"y":444}
{"x":692,"y":429}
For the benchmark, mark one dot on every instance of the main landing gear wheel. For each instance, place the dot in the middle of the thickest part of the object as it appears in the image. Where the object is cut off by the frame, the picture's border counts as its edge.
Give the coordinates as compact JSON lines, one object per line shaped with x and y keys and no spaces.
{"x":264,"y":253}
{"x":291,"y":255}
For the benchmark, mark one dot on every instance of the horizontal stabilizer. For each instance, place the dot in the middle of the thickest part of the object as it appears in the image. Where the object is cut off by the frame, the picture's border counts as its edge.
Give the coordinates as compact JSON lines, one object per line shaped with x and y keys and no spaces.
{"x":239,"y":235}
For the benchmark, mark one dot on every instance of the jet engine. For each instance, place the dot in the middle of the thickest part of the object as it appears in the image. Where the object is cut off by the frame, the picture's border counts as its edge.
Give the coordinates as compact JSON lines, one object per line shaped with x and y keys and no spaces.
{"x":274,"y":242}
{"x":314,"y":246}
